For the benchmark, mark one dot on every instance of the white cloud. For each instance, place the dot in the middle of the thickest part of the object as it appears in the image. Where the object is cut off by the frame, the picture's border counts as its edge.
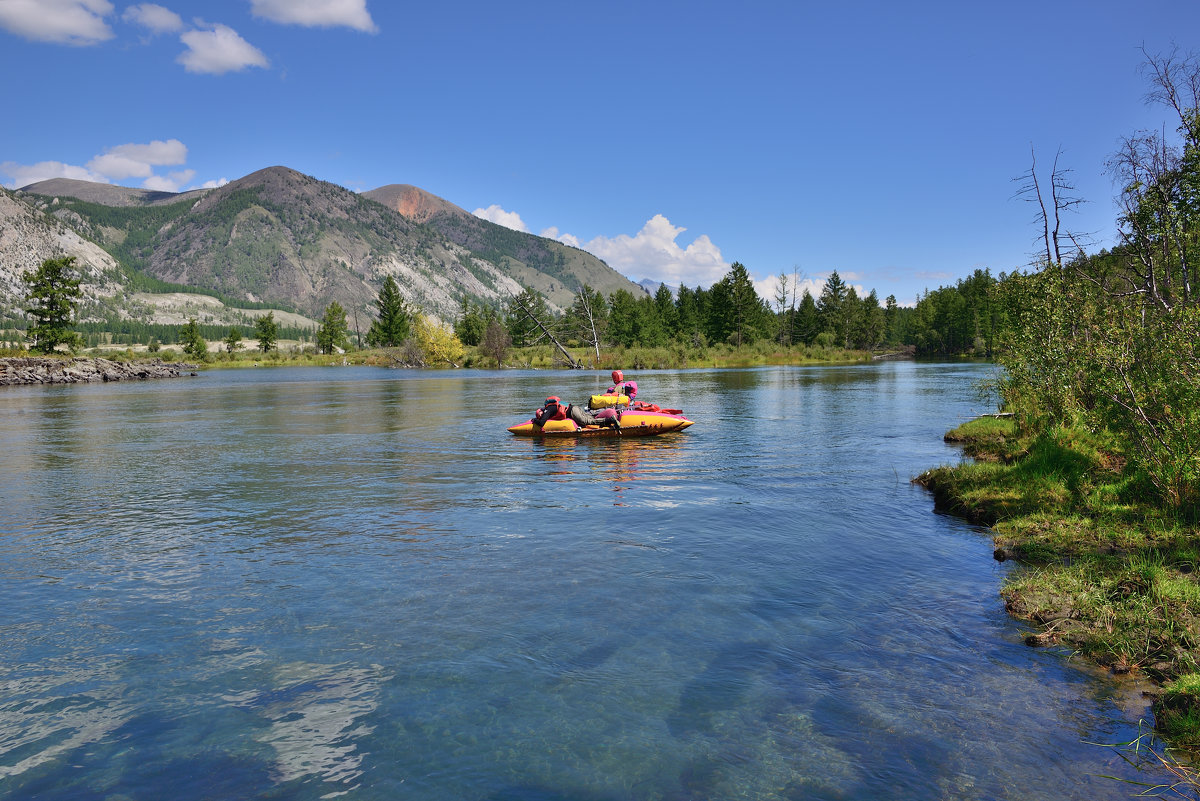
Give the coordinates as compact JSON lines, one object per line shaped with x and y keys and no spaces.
{"x":218,"y":50}
{"x":214,"y":184}
{"x":509,"y":219}
{"x":171,"y":182}
{"x":567,"y":239}
{"x":114,"y":164}
{"x":654,"y":253}
{"x":316,"y":13}
{"x":138,"y":161}
{"x":73,"y":22}
{"x":153,"y":17}
{"x":26,"y":174}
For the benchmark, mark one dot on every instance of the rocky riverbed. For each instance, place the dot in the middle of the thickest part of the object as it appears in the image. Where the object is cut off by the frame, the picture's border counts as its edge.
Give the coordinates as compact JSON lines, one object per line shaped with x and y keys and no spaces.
{"x":45,"y":370}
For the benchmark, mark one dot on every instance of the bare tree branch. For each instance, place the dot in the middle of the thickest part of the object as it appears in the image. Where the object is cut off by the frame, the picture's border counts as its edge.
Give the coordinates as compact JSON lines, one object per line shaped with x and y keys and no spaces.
{"x":570,"y":359}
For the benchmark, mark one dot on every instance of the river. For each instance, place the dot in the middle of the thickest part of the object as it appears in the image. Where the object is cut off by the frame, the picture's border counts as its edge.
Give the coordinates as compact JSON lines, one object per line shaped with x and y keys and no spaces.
{"x":353,"y":582}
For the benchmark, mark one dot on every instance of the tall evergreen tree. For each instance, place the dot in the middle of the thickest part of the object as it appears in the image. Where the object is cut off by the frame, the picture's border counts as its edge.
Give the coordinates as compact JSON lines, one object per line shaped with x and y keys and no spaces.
{"x":852,"y":319}
{"x":831,"y":306}
{"x":689,"y":307}
{"x":668,"y":316}
{"x":394,"y":323}
{"x":872,"y":322}
{"x":808,"y":320}
{"x":53,"y":295}
{"x":333,"y":330}
{"x":744,"y":304}
{"x":623,"y":324}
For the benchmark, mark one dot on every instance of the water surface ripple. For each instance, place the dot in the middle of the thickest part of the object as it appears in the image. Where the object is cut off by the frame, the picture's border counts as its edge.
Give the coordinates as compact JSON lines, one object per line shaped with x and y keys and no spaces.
{"x":354,"y":582}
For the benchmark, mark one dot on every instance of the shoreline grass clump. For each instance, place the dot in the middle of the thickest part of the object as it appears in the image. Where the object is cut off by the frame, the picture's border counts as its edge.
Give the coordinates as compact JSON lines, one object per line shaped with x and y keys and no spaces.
{"x":1102,"y":570}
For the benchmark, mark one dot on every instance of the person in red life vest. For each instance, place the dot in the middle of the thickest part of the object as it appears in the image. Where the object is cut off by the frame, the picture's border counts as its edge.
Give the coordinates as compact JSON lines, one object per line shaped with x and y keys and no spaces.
{"x":552,"y":409}
{"x":621,"y":386}
{"x":555,"y":409}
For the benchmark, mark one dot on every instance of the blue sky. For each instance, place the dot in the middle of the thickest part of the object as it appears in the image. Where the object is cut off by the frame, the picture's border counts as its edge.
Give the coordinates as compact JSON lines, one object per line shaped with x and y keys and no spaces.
{"x":878,"y":139}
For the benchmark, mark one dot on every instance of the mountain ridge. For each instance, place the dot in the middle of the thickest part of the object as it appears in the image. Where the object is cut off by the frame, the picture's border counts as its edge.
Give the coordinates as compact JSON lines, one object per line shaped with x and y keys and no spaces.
{"x":277,"y":235}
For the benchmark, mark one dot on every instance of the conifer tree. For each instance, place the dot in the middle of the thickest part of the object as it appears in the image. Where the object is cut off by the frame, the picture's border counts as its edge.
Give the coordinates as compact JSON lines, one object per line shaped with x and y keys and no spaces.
{"x":333,"y":330}
{"x":394,"y":322}
{"x":832,"y":305}
{"x":54,"y":297}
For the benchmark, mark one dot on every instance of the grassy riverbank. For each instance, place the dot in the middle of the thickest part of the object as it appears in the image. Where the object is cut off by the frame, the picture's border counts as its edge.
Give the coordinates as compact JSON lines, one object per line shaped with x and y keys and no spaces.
{"x":1102,"y":573}
{"x":544,"y":357}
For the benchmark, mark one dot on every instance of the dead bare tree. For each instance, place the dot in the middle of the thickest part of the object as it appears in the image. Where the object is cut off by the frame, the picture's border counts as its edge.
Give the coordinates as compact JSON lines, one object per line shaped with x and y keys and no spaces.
{"x":785,"y":303}
{"x":1062,"y":198}
{"x":575,"y":365}
{"x":587,"y":313}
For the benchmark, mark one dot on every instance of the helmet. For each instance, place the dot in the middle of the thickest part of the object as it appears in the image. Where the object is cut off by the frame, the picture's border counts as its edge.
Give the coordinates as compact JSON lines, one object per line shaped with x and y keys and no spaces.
{"x":617,"y":376}
{"x":631,"y":389}
{"x":552,"y":399}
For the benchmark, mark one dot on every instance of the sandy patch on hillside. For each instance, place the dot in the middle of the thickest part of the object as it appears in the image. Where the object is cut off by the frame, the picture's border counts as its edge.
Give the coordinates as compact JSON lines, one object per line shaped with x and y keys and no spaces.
{"x":175,"y":308}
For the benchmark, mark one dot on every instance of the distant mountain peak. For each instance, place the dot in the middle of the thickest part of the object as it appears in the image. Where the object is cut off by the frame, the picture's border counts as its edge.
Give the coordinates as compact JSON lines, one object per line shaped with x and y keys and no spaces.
{"x":413,"y":202}
{"x":107,"y":194}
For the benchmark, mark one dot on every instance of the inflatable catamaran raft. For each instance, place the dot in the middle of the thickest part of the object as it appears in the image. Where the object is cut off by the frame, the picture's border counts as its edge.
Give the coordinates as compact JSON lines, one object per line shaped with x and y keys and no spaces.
{"x":613,"y":414}
{"x":639,"y":420}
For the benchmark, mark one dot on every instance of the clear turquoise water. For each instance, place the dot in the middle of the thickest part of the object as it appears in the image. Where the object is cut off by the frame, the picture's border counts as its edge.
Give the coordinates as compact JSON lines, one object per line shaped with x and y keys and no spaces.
{"x":353,"y":582}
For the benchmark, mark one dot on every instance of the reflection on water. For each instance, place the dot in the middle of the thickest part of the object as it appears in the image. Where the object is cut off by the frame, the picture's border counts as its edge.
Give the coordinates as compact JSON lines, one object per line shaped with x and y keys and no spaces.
{"x":315,"y":717}
{"x":614,"y":462}
{"x":47,"y":715}
{"x":312,"y":583}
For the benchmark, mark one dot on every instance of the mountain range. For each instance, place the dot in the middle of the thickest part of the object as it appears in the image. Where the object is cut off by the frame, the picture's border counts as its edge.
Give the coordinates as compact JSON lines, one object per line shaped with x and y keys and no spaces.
{"x":280,"y":238}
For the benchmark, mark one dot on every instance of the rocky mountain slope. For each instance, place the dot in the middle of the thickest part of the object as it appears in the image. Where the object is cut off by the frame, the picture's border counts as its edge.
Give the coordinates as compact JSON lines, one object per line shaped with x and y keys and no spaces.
{"x":29,"y":237}
{"x":277,"y":236}
{"x":554,"y":269}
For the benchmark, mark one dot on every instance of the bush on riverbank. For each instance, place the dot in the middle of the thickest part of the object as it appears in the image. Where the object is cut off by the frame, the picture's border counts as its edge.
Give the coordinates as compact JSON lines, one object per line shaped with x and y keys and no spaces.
{"x":1104,"y":572}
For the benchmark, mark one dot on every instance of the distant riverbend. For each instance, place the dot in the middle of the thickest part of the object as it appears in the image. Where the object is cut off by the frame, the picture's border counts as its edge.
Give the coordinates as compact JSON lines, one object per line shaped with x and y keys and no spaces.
{"x":47,"y":370}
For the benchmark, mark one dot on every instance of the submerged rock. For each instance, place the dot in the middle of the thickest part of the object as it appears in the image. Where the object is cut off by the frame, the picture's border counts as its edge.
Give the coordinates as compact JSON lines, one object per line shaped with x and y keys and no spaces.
{"x":46,"y":370}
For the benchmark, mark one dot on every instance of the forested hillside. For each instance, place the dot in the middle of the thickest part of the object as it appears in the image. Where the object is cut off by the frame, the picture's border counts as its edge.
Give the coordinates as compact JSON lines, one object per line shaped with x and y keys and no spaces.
{"x":552,"y":268}
{"x":289,"y":241}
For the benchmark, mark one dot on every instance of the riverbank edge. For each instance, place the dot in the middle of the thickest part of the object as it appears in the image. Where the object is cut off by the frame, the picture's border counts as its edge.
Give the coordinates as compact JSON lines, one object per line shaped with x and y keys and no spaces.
{"x":1120,"y":591}
{"x":27,"y":370}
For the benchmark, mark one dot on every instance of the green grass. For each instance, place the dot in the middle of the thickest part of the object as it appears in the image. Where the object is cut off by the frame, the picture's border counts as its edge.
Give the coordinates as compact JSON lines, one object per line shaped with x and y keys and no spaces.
{"x":1105,"y":569}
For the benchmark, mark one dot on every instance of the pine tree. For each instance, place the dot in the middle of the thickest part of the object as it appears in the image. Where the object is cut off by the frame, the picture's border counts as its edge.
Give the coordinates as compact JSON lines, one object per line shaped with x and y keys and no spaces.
{"x":832,"y":304}
{"x":808,"y":320}
{"x":54,"y":297}
{"x":333,"y":330}
{"x":233,"y":340}
{"x":744,"y":304}
{"x":394,"y":322}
